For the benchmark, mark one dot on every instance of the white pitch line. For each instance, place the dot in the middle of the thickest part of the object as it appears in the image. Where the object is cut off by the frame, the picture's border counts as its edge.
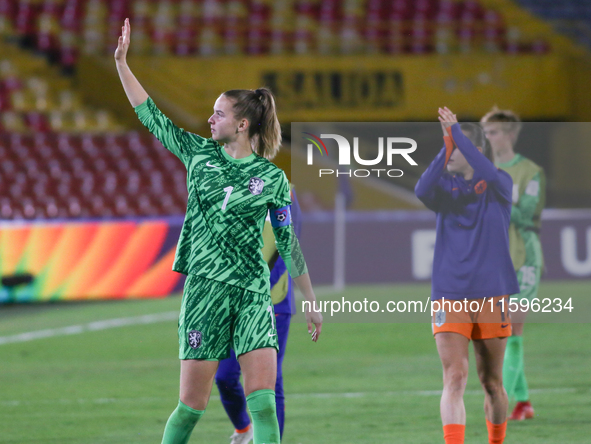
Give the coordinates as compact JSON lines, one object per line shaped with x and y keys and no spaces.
{"x":173,"y":315}
{"x":400,"y":393}
{"x":92,"y":326}
{"x":106,"y":324}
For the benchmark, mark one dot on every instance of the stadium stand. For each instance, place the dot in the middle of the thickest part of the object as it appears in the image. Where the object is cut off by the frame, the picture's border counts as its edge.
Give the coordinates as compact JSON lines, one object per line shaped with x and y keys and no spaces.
{"x":60,"y":158}
{"x":49,"y":175}
{"x":35,"y":98}
{"x":62,"y":28}
{"x":571,"y":17}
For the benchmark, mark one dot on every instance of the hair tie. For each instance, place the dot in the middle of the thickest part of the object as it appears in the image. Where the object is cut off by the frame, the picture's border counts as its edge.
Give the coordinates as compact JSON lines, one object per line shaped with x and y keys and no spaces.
{"x":258,"y":94}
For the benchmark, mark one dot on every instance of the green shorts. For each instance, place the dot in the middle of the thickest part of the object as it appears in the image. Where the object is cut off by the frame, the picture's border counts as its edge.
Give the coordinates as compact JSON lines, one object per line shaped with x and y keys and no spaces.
{"x":528,"y":277}
{"x":216,"y":317}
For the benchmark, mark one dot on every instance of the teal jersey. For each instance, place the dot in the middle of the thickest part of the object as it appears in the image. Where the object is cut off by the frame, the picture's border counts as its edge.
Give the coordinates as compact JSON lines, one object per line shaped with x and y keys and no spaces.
{"x":229,"y":199}
{"x":529,"y":197}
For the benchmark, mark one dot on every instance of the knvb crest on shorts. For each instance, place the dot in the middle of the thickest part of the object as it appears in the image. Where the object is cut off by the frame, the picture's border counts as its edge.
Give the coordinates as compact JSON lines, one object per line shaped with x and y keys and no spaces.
{"x":195,"y":338}
{"x":255,"y":186}
{"x":439,"y":318}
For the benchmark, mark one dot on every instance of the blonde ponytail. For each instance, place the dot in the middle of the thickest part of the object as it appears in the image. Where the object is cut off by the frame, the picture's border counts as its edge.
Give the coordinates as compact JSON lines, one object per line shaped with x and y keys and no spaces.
{"x":258,"y":107}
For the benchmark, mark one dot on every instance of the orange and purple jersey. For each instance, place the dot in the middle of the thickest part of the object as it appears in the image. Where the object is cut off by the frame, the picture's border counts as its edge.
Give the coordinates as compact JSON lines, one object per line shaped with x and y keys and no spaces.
{"x":472,"y":257}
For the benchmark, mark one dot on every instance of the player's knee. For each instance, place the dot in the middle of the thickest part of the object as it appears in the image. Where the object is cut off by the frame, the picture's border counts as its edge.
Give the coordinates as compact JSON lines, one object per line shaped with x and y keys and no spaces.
{"x":193,"y":400}
{"x":455,"y":379}
{"x":228,"y":384}
{"x":493,"y":387}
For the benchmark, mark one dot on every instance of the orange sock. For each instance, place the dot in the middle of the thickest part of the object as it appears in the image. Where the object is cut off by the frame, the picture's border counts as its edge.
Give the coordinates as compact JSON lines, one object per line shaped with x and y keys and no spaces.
{"x":244,"y":430}
{"x":454,"y":433}
{"x":496,"y":432}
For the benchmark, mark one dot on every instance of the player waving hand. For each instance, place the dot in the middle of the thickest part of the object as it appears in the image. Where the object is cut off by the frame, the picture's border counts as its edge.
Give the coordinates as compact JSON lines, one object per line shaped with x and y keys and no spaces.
{"x":226,"y":303}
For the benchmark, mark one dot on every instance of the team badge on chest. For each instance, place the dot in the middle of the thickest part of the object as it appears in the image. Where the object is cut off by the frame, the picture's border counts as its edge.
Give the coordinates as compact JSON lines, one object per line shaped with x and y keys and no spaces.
{"x":255,"y":186}
{"x":480,"y":187}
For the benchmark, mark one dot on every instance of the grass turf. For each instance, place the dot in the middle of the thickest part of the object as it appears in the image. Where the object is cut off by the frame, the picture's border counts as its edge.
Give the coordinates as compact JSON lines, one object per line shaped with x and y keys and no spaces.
{"x":362,"y":383}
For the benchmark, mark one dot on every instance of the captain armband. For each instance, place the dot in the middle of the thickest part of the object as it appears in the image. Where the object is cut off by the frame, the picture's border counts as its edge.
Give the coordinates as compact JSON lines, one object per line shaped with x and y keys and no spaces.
{"x":281,"y":217}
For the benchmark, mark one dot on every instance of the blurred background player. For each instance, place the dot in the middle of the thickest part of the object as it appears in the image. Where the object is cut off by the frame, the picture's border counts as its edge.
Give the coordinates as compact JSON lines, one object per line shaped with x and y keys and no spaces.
{"x":226,"y":299}
{"x":529,"y":195}
{"x":227,"y":377}
{"x":472,"y":200}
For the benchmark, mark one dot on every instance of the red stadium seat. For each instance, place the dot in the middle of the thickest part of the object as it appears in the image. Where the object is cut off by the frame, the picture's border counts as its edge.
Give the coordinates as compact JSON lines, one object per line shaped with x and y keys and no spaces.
{"x":254,"y":27}
{"x":37,"y":121}
{"x":26,"y":20}
{"x":52,"y":211}
{"x":6,"y":210}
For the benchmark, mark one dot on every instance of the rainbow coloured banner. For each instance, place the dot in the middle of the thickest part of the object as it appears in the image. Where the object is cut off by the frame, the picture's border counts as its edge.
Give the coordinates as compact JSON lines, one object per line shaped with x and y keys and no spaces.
{"x":46,"y":261}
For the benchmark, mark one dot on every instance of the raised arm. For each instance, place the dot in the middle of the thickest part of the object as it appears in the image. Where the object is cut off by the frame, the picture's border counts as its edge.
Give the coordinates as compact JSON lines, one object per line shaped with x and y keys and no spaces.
{"x":429,"y":183}
{"x":178,"y":141}
{"x":133,"y":89}
{"x":500,"y":181}
{"x":484,"y":167}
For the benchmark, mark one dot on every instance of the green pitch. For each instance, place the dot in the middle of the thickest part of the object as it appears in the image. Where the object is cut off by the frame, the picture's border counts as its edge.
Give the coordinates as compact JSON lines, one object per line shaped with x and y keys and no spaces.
{"x":362,"y":383}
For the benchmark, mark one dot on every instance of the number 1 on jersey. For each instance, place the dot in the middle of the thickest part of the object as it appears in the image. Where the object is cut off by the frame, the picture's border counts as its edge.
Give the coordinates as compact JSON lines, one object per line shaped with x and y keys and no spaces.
{"x":228,"y":191}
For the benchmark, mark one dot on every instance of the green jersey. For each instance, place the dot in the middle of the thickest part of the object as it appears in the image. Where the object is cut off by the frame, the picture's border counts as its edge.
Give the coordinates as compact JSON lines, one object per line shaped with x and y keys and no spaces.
{"x":221,"y":237}
{"x":529,"y":197}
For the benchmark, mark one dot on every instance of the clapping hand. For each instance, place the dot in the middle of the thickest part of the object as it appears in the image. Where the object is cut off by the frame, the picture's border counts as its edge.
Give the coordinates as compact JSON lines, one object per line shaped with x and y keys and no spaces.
{"x":447,"y":119}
